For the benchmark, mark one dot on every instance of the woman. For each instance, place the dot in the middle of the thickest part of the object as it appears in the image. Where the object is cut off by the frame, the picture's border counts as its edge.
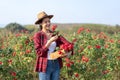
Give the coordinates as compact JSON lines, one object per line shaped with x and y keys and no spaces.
{"x":45,"y":44}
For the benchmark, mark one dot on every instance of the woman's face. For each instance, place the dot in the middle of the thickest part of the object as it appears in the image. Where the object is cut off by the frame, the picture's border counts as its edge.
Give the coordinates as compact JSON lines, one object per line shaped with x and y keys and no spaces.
{"x":46,"y":23}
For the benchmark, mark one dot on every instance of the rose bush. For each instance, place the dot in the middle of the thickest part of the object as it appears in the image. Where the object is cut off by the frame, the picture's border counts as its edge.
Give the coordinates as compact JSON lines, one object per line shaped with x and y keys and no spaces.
{"x":96,"y":57}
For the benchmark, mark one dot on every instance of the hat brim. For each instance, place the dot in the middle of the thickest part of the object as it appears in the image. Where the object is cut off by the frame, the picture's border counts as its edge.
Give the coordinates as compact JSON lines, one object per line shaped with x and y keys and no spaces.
{"x":39,"y":20}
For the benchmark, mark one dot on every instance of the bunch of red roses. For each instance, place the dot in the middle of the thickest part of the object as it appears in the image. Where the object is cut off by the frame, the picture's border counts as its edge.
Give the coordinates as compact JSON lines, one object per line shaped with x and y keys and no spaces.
{"x":62,"y":51}
{"x":64,"y":48}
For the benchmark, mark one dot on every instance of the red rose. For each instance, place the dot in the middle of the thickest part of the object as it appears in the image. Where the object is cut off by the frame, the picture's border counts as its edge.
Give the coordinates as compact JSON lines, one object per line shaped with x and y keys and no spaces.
{"x":13,"y":73}
{"x":76,"y":75}
{"x":28,"y":51}
{"x":98,"y":46}
{"x":80,"y":29}
{"x":71,"y":62}
{"x":68,"y":64}
{"x":85,"y":59}
{"x":70,"y":46}
{"x":60,"y":52}
{"x":0,"y":62}
{"x":9,"y":61}
{"x":53,"y":27}
{"x":65,"y":48}
{"x":105,"y":71}
{"x":67,"y":60}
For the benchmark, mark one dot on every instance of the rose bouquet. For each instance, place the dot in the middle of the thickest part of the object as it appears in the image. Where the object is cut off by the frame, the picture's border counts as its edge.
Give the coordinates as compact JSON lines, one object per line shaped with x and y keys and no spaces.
{"x":64,"y":49}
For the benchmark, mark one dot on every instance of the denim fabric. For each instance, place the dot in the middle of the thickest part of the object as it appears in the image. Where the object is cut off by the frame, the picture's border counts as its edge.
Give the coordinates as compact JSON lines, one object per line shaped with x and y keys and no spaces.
{"x":52,"y":72}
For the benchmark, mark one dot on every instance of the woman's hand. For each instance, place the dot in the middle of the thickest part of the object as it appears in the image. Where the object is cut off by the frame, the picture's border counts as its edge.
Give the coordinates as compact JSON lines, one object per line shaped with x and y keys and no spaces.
{"x":53,"y":38}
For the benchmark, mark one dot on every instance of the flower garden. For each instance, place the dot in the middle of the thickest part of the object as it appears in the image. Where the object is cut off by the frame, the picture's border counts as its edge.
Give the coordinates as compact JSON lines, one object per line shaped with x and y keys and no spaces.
{"x":96,"y":56}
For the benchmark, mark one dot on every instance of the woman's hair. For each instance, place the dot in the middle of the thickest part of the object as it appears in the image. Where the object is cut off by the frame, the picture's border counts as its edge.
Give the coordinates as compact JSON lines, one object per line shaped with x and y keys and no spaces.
{"x":40,"y":27}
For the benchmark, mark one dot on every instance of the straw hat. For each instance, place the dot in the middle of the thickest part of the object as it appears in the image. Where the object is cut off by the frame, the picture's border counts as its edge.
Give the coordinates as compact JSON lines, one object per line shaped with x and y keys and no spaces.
{"x":42,"y":15}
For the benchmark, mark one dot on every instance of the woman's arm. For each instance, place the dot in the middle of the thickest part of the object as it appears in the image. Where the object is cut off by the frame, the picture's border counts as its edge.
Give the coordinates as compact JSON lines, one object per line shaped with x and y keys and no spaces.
{"x":38,"y":42}
{"x":39,"y":48}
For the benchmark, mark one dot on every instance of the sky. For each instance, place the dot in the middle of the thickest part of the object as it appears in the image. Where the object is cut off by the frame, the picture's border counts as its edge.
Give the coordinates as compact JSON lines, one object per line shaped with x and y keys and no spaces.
{"x":64,"y":11}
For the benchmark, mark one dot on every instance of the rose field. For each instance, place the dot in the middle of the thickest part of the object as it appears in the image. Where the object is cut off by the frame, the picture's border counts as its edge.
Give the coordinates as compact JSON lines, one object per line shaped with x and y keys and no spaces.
{"x":96,"y":54}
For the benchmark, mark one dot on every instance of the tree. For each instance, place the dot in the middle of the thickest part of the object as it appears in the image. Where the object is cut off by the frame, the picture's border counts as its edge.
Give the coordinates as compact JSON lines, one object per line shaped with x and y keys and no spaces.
{"x":14,"y":27}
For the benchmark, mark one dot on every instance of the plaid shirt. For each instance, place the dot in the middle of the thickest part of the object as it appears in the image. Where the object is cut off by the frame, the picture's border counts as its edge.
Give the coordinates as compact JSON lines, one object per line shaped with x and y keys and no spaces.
{"x":40,"y":39}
